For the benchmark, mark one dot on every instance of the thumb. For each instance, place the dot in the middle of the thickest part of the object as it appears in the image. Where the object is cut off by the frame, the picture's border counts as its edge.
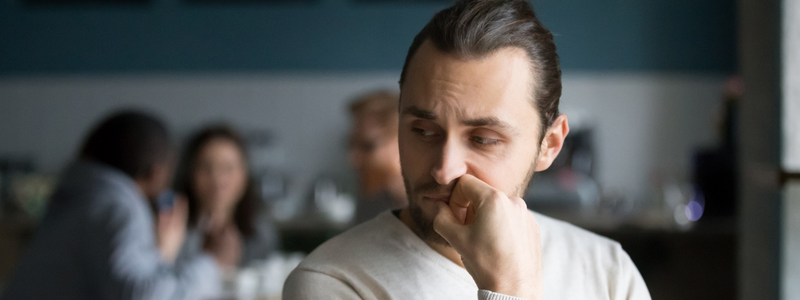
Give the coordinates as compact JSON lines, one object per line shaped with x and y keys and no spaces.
{"x":447,"y":225}
{"x":163,"y":219}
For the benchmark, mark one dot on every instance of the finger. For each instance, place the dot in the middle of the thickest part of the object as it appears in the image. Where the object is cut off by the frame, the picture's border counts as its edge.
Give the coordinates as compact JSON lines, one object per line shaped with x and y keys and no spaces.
{"x":460,"y":213}
{"x":471,"y":191}
{"x":447,"y":225}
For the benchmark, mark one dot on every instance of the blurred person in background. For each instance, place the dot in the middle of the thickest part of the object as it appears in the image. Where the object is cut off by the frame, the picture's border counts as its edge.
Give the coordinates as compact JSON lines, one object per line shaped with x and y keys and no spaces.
{"x":374,"y":154}
{"x":223,"y":200}
{"x":97,"y":239}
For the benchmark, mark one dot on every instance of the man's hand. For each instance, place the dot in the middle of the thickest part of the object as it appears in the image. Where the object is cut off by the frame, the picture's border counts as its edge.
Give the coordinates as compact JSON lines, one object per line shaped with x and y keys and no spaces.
{"x":172,"y":229}
{"x":496,"y":236}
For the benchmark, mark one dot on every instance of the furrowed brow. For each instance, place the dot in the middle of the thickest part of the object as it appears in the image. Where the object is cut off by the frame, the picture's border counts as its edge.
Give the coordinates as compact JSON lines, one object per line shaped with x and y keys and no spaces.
{"x":419,"y":113}
{"x":486,"y":122}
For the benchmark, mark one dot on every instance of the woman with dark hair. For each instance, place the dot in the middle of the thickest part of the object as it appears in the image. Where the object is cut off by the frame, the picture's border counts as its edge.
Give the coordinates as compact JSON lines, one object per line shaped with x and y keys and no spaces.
{"x":223,"y":200}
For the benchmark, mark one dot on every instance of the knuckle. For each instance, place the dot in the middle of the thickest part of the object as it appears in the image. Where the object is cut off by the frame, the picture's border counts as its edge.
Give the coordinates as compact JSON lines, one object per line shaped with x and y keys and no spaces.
{"x":493,"y":194}
{"x":519,"y":202}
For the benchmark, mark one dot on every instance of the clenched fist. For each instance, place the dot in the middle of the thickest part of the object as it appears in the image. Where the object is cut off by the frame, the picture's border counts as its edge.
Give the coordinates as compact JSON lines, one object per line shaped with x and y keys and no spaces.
{"x":497,"y":237}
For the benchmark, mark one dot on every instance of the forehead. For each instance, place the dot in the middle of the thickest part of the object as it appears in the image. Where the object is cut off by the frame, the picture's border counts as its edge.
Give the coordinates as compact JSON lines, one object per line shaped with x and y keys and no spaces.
{"x":366,"y":129}
{"x":218,"y":146}
{"x":498,"y":85}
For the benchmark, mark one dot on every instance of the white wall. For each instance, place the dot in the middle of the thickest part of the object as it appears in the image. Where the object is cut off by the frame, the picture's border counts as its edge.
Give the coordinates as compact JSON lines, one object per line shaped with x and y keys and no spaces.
{"x":48,"y":117}
{"x":645,"y":123}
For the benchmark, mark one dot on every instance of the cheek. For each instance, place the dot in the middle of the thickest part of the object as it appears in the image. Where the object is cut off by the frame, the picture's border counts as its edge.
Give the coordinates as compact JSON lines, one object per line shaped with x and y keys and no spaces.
{"x":414,"y":159}
{"x":230,"y":181}
{"x":504,"y":172}
{"x":203,"y":188}
{"x":386,"y":154}
{"x":240,"y":184}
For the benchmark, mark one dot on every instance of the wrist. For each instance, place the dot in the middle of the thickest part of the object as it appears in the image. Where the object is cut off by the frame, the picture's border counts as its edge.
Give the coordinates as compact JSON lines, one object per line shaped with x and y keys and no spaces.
{"x":489,"y":295}
{"x":514,"y":288}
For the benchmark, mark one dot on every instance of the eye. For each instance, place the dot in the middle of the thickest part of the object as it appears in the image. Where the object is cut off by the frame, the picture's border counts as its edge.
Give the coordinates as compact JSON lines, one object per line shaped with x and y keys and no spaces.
{"x":484,"y":141}
{"x":423,"y":132}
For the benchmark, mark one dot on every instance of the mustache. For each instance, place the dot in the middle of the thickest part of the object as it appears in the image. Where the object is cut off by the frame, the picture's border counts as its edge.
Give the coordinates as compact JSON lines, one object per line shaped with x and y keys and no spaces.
{"x":434,"y":187}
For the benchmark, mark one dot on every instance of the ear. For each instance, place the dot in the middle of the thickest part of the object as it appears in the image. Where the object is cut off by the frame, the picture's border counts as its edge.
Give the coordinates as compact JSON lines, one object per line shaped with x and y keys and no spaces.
{"x":552,"y":143}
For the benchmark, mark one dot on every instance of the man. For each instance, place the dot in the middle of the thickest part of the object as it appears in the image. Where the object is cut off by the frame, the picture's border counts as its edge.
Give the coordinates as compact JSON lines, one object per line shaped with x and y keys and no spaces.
{"x":478,"y":116}
{"x":97,"y":239}
{"x":373,"y":153}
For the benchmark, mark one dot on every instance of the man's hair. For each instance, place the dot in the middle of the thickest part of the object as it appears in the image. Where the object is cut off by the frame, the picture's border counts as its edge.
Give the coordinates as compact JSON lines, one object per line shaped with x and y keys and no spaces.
{"x":378,"y":106}
{"x":472,"y":29}
{"x":130,"y":141}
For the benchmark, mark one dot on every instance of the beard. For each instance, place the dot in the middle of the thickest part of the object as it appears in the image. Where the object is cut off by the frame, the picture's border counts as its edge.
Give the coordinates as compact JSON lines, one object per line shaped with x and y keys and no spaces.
{"x":423,"y":222}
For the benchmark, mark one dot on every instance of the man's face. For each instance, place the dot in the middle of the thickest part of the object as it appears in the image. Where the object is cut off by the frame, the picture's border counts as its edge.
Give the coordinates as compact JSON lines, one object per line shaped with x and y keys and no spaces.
{"x":460,"y":116}
{"x":373,"y":149}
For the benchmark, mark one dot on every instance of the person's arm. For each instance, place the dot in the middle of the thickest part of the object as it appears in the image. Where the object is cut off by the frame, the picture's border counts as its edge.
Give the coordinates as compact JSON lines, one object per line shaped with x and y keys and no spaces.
{"x":497,"y":237}
{"x":305,"y":284}
{"x":125,"y":262}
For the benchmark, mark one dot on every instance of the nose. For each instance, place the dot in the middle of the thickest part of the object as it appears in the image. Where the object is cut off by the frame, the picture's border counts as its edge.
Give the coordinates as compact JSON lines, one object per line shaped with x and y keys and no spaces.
{"x":450,"y":165}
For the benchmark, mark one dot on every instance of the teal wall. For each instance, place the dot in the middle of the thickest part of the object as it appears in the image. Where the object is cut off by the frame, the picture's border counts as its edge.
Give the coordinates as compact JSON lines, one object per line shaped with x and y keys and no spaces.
{"x":340,"y":35}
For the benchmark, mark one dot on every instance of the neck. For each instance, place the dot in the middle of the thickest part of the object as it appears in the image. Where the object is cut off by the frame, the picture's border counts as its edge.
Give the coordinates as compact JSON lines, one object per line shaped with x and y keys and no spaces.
{"x":448,"y":252}
{"x":217,"y":220}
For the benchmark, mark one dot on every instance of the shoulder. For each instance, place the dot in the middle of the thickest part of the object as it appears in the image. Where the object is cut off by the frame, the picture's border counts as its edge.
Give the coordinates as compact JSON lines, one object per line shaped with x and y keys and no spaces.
{"x":569,"y":246}
{"x":304,"y":283}
{"x":349,"y":264}
{"x":106,"y":203}
{"x":116,"y":205}
{"x":552,"y":224}
{"x":598,"y":264}
{"x":372,"y":247}
{"x":355,"y":245}
{"x":558,"y":234}
{"x":97,"y":195}
{"x":91,"y":184}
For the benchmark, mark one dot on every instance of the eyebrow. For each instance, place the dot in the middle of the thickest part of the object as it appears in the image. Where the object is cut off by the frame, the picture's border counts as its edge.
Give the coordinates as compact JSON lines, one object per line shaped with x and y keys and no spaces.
{"x":419,"y":113}
{"x":480,"y":122}
{"x":486,"y":122}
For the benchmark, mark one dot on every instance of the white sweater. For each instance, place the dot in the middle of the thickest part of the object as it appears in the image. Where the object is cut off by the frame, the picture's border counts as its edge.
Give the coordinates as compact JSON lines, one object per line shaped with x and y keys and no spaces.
{"x":384,"y":259}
